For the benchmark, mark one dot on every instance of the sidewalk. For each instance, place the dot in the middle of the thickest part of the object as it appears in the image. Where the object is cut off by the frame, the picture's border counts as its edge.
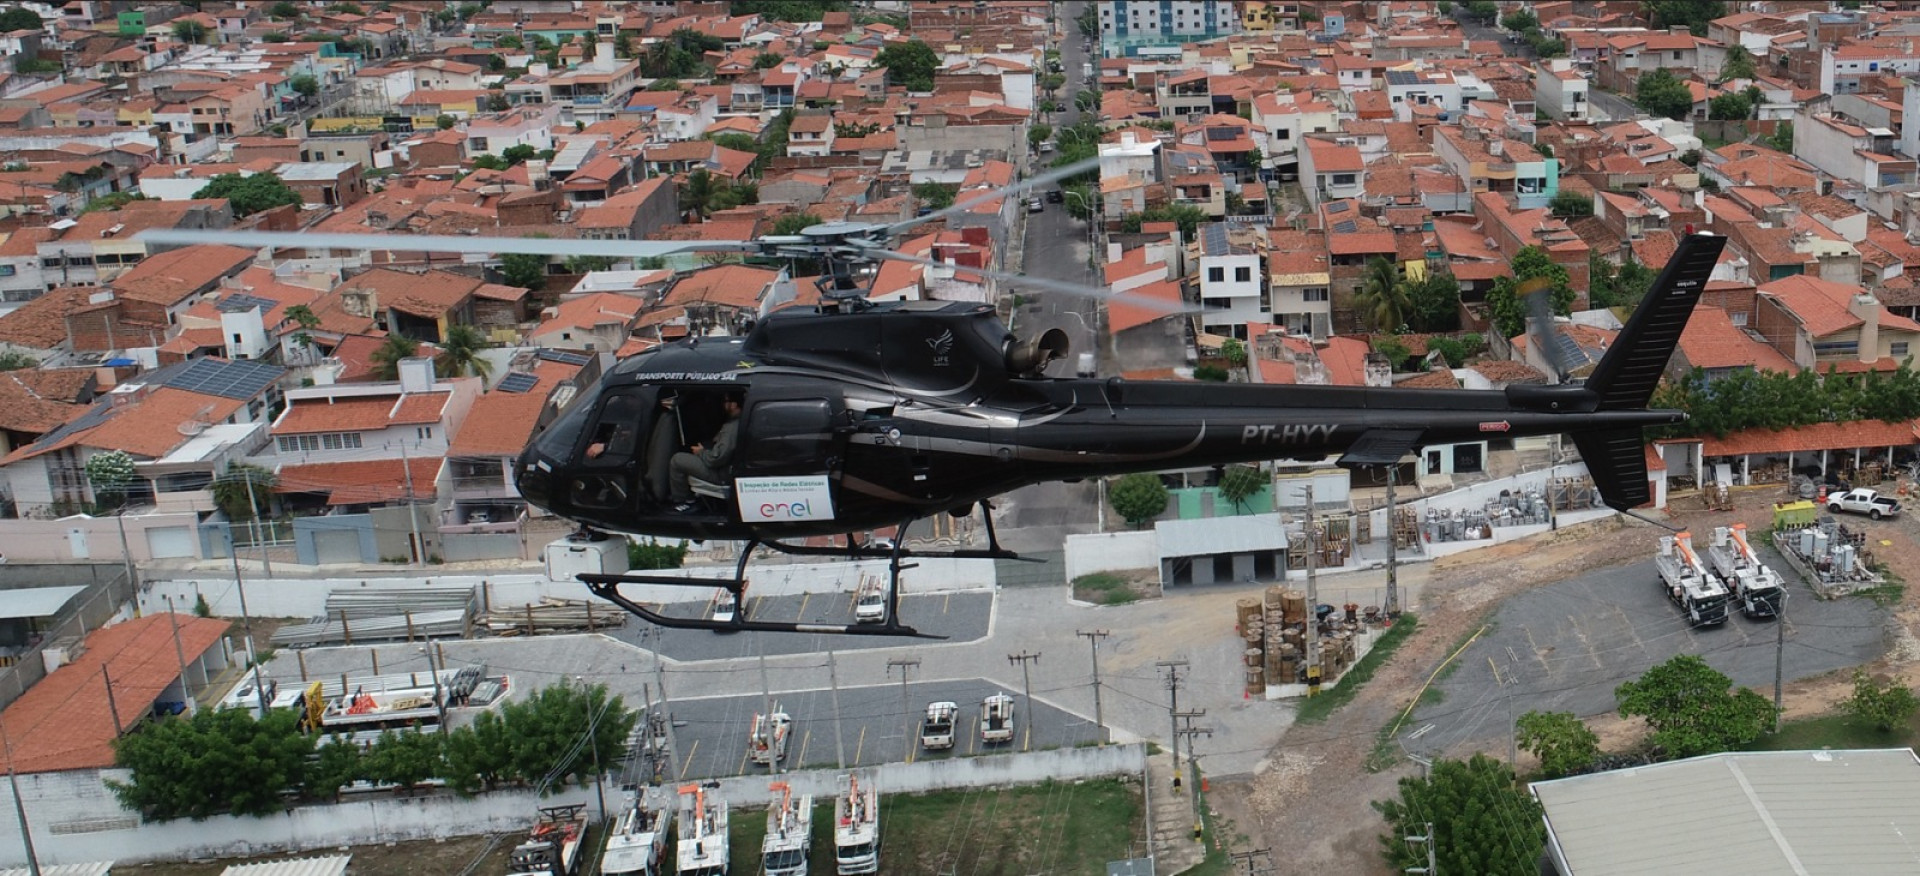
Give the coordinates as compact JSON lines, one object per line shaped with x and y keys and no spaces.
{"x":1174,"y":849}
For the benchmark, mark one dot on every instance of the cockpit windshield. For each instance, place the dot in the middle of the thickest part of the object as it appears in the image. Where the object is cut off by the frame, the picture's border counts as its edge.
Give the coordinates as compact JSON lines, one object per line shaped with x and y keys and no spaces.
{"x":560,"y":438}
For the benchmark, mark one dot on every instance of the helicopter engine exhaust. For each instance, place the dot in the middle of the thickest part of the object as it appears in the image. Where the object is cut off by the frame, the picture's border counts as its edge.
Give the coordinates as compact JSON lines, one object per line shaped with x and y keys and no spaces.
{"x":1031,"y":358}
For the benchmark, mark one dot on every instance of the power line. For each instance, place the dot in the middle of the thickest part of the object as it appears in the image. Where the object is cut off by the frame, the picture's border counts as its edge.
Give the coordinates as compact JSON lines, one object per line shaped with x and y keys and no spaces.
{"x":1093,"y":638}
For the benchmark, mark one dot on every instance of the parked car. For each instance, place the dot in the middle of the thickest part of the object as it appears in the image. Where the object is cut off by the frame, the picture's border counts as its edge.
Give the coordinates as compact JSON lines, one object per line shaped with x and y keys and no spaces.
{"x":1035,"y":205}
{"x":1055,"y":196}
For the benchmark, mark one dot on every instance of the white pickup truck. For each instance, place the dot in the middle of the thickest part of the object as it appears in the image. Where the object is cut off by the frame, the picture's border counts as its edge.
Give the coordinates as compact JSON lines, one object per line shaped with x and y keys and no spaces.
{"x":1863,"y":501}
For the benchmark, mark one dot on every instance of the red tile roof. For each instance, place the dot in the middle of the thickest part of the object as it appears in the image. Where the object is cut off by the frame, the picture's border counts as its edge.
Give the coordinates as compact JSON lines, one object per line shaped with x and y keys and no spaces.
{"x":66,"y":722}
{"x":364,"y":414}
{"x":1819,"y":436}
{"x":1711,"y":340}
{"x":1122,"y":315}
{"x":499,"y":424}
{"x":167,"y":278}
{"x":361,"y":483}
{"x":1820,"y":304}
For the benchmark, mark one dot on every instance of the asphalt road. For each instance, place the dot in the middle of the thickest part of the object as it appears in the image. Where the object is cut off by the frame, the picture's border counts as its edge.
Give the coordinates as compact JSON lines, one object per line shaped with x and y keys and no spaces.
{"x":876,"y":727}
{"x":961,"y":616}
{"x":1565,"y":646}
{"x":1607,"y":106}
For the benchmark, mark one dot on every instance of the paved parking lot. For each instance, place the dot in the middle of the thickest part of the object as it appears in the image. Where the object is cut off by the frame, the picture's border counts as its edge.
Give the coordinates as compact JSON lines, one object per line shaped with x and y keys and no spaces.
{"x":711,"y":734}
{"x":1565,"y":646}
{"x":961,"y":616}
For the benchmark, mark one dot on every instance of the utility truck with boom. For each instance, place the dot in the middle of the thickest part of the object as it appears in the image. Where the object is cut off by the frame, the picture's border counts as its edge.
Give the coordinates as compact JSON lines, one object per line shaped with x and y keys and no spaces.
{"x":1755,"y":587}
{"x":702,"y":847}
{"x":767,"y":742}
{"x":637,"y":842}
{"x":936,"y":730}
{"x":1689,"y":583}
{"x":856,"y":828}
{"x":553,"y":848}
{"x":789,"y":836}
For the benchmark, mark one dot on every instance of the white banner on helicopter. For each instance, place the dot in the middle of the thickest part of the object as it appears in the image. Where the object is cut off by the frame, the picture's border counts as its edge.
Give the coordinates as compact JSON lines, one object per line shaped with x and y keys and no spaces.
{"x":784,"y":499}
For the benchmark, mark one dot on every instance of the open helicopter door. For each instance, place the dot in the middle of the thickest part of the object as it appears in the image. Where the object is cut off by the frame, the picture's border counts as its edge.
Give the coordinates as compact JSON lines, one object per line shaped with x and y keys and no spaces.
{"x":789,"y":463}
{"x":612,"y":452}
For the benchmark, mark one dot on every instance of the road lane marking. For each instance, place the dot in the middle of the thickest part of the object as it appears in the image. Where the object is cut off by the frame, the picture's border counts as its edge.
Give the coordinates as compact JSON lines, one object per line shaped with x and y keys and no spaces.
{"x":862,"y":743}
{"x":690,"y":753}
{"x":803,"y":605}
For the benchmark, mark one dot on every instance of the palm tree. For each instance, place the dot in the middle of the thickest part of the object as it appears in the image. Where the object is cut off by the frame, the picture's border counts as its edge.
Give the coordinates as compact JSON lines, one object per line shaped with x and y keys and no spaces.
{"x":460,"y":353}
{"x":1382,"y":303}
{"x":303,"y":316}
{"x":386,"y":359}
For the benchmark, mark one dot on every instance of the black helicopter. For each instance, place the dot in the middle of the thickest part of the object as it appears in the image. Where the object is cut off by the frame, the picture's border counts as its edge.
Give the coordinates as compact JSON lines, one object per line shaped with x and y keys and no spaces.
{"x":853,"y":415}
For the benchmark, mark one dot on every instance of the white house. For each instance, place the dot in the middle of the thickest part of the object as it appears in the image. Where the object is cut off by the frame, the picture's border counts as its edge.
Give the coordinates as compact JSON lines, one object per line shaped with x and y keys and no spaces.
{"x":1232,"y":285}
{"x":1559,"y":90}
{"x":349,"y":422}
{"x":1331,"y":171}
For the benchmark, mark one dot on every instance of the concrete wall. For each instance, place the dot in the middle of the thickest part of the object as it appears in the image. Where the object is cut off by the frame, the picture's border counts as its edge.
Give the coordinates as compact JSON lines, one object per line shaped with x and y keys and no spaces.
{"x":99,"y":539}
{"x":1111,"y":552}
{"x":306,"y":597}
{"x":306,"y":530}
{"x":461,"y":547}
{"x":75,"y":818}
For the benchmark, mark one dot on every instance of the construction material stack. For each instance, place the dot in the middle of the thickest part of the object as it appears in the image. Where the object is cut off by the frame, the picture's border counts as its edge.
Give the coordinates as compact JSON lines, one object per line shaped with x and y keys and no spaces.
{"x":1755,"y":588}
{"x":856,"y":828}
{"x":1687,"y":581}
{"x":637,"y":844}
{"x":789,"y":833}
{"x":936,"y":730}
{"x":996,"y":719}
{"x":553,"y":848}
{"x":702,"y":849}
{"x":767,"y":742}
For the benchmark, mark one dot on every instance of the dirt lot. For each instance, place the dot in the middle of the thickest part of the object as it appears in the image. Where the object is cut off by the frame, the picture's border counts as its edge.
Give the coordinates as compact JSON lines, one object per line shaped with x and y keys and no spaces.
{"x":1313,"y":798}
{"x":422,"y":858}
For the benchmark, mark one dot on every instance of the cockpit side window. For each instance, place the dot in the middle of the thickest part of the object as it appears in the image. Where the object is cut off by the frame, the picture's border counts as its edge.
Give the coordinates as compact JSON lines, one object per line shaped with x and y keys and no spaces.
{"x":562,"y":439}
{"x":624,"y":417}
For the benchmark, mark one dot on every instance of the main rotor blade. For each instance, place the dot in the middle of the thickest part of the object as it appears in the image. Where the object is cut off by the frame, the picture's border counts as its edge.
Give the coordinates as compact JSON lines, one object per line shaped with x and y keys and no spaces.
{"x":550,"y":246}
{"x":1075,"y":289}
{"x":1537,"y":293}
{"x":1055,"y":175}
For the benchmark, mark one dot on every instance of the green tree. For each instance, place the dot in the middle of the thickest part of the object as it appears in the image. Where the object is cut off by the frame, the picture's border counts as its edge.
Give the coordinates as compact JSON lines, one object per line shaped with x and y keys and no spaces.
{"x":1564,"y":744}
{"x":767,"y":61}
{"x":444,"y":121}
{"x":1395,"y":349}
{"x":1504,"y":300}
{"x":14,"y":360}
{"x":910,"y":64}
{"x":509,"y":41}
{"x":1882,"y":706}
{"x":1234,"y":351}
{"x":112,"y":201}
{"x":1569,"y":204}
{"x":1483,"y":822}
{"x":386,"y":357}
{"x":1089,"y":23}
{"x":189,"y":31}
{"x":489,"y":162}
{"x":664,"y":85}
{"x":1039,"y":134}
{"x":283,"y":10}
{"x":19,"y":18}
{"x":479,"y":756}
{"x":1738,"y":64}
{"x":1692,"y":14}
{"x":306,"y":84}
{"x":710,"y":194}
{"x":405,"y":759}
{"x":794,"y":223}
{"x":110,"y":472}
{"x":250,"y":194}
{"x":231,"y":490}
{"x":788,"y":10}
{"x":1138,"y":498}
{"x":1732,"y":107}
{"x":934,"y":195}
{"x":1238,"y":483}
{"x":1079,"y":200}
{"x":1187,"y":216}
{"x":1457,"y":351}
{"x":460,"y":353}
{"x":1482,"y":10}
{"x":1520,"y":21}
{"x":220,"y":760}
{"x":1433,"y":304}
{"x":549,"y":727}
{"x":1692,"y":708}
{"x":336,"y":764}
{"x":1631,"y":282}
{"x":1782,"y":138}
{"x":518,"y":154}
{"x":651,"y":554}
{"x":1382,"y":302}
{"x":1660,"y":93}
{"x":1211,"y":374}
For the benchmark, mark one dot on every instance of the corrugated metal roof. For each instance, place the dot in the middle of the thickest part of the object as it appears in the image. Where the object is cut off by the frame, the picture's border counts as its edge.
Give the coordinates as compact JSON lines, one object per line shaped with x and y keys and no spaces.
{"x":1851,"y":812}
{"x":1220,"y":535}
{"x":36,"y":601}
{"x":95,"y":869}
{"x":333,"y":866}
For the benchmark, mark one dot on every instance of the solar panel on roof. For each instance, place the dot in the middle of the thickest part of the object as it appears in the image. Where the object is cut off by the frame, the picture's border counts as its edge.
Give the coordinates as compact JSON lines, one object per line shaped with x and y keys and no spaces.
{"x":1346,"y":226}
{"x":236,"y":380}
{"x":565,"y":357}
{"x":241,"y":302}
{"x":1338,"y":207}
{"x":517,"y":383}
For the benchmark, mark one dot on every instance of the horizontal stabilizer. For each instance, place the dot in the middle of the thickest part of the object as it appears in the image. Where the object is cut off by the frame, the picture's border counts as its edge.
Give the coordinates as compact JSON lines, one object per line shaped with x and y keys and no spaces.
{"x":1379,"y":447}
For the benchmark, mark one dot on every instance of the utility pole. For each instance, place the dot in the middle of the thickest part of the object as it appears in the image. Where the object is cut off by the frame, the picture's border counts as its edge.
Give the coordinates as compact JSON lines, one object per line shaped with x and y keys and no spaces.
{"x":906,"y":666}
{"x":833,"y":681}
{"x":1193,"y":760}
{"x":1093,"y":644}
{"x":593,"y":742}
{"x":1247,"y":859}
{"x":1392,"y":607}
{"x":266,"y":564}
{"x":766,"y":699}
{"x":20,"y":806}
{"x":180,"y":655}
{"x":1026,"y":684}
{"x":1313,"y":600}
{"x":1432,"y":868}
{"x":660,"y":681}
{"x":246,"y":618}
{"x":1779,"y":653}
{"x":1173,"y":668}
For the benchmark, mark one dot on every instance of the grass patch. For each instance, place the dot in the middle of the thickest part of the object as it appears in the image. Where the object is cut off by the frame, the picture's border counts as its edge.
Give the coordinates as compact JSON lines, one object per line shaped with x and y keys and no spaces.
{"x":1836,"y":731}
{"x":1106,"y":588}
{"x":1432,"y":695}
{"x":1052,"y":827}
{"x":1386,"y":751}
{"x":1886,"y":595}
{"x":1316,"y":709}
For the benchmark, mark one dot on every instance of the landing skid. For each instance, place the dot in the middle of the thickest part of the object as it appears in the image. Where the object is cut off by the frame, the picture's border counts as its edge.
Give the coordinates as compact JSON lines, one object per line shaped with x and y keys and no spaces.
{"x":607,"y":587}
